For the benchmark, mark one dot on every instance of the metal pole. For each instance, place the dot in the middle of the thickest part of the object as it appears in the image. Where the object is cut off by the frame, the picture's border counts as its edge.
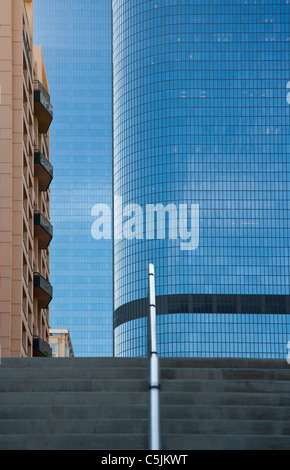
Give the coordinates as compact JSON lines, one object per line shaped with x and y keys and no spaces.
{"x":154,"y":382}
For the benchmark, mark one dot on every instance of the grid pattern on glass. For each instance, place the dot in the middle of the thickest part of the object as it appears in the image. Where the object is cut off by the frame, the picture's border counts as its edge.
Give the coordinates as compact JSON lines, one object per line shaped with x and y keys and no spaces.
{"x":76,"y":41}
{"x":208,"y":335}
{"x":201,"y":117}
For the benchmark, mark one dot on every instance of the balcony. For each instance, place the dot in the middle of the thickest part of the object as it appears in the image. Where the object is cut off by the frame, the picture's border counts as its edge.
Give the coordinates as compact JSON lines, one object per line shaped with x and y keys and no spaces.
{"x":41,"y":348}
{"x":43,"y":230}
{"x":43,"y":169}
{"x":42,"y":107}
{"x":42,"y":290}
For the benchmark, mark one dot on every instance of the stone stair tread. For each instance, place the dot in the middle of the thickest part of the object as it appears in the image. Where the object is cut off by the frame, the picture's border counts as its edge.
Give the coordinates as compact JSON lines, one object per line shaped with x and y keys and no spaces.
{"x":235,"y":426}
{"x":72,"y":427}
{"x":220,"y":363}
{"x":81,"y":441}
{"x":81,"y":362}
{"x":224,"y":442}
{"x":223,"y":373}
{"x":62,"y":372}
{"x":72,"y":385}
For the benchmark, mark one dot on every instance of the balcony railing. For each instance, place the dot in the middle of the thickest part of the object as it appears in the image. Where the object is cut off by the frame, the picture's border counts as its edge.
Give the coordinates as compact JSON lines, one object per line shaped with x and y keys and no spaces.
{"x":42,"y":107}
{"x":43,"y":230}
{"x":43,"y":169}
{"x":43,"y":290}
{"x":41,"y":348}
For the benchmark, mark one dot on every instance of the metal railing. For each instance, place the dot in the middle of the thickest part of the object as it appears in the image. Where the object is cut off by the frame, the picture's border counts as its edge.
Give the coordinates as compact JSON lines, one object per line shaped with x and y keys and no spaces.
{"x":39,"y":157}
{"x":38,"y":86}
{"x":27,"y":51}
{"x":40,"y":219}
{"x":154,"y":379}
{"x":42,"y":96}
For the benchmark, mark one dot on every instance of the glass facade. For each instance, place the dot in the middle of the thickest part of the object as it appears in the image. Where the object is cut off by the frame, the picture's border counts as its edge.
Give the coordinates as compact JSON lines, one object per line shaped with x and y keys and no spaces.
{"x":201,"y":119}
{"x":76,"y":40}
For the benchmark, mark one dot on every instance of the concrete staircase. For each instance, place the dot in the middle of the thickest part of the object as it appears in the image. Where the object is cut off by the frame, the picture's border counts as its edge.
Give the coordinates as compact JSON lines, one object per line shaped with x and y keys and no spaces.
{"x":102,"y":403}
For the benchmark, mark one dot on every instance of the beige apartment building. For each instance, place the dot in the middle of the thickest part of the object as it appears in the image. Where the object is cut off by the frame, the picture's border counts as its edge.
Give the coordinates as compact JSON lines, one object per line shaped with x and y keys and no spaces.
{"x":25,"y":176}
{"x":60,"y":342}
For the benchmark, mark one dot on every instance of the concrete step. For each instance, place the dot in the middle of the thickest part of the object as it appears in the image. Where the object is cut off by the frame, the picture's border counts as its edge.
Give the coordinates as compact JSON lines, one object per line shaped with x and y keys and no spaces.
{"x":250,"y":386}
{"x":90,"y":373}
{"x":76,"y":441}
{"x":140,"y":426}
{"x":73,"y":362}
{"x":188,"y":373}
{"x":127,"y":442}
{"x":177,"y":412}
{"x":55,"y":373}
{"x":224,"y":442}
{"x":73,"y":385}
{"x":233,"y":412}
{"x":80,"y":411}
{"x":226,"y":426}
{"x":165,"y":363}
{"x":229,"y":398}
{"x":223,"y":363}
{"x":74,"y":426}
{"x":73,"y":398}
{"x":141,"y":385}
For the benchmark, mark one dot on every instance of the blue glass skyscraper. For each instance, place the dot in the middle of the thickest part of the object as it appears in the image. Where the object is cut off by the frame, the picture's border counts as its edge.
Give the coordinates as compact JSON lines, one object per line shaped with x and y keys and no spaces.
{"x":201,"y":121}
{"x":76,"y":40}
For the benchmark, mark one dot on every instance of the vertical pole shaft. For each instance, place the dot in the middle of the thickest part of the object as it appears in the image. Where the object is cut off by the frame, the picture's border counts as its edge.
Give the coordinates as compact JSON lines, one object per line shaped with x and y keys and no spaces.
{"x":154,"y":382}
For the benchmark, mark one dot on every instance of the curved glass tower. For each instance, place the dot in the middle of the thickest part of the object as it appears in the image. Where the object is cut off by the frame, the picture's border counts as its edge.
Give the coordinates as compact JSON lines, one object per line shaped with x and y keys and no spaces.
{"x":201,"y":129}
